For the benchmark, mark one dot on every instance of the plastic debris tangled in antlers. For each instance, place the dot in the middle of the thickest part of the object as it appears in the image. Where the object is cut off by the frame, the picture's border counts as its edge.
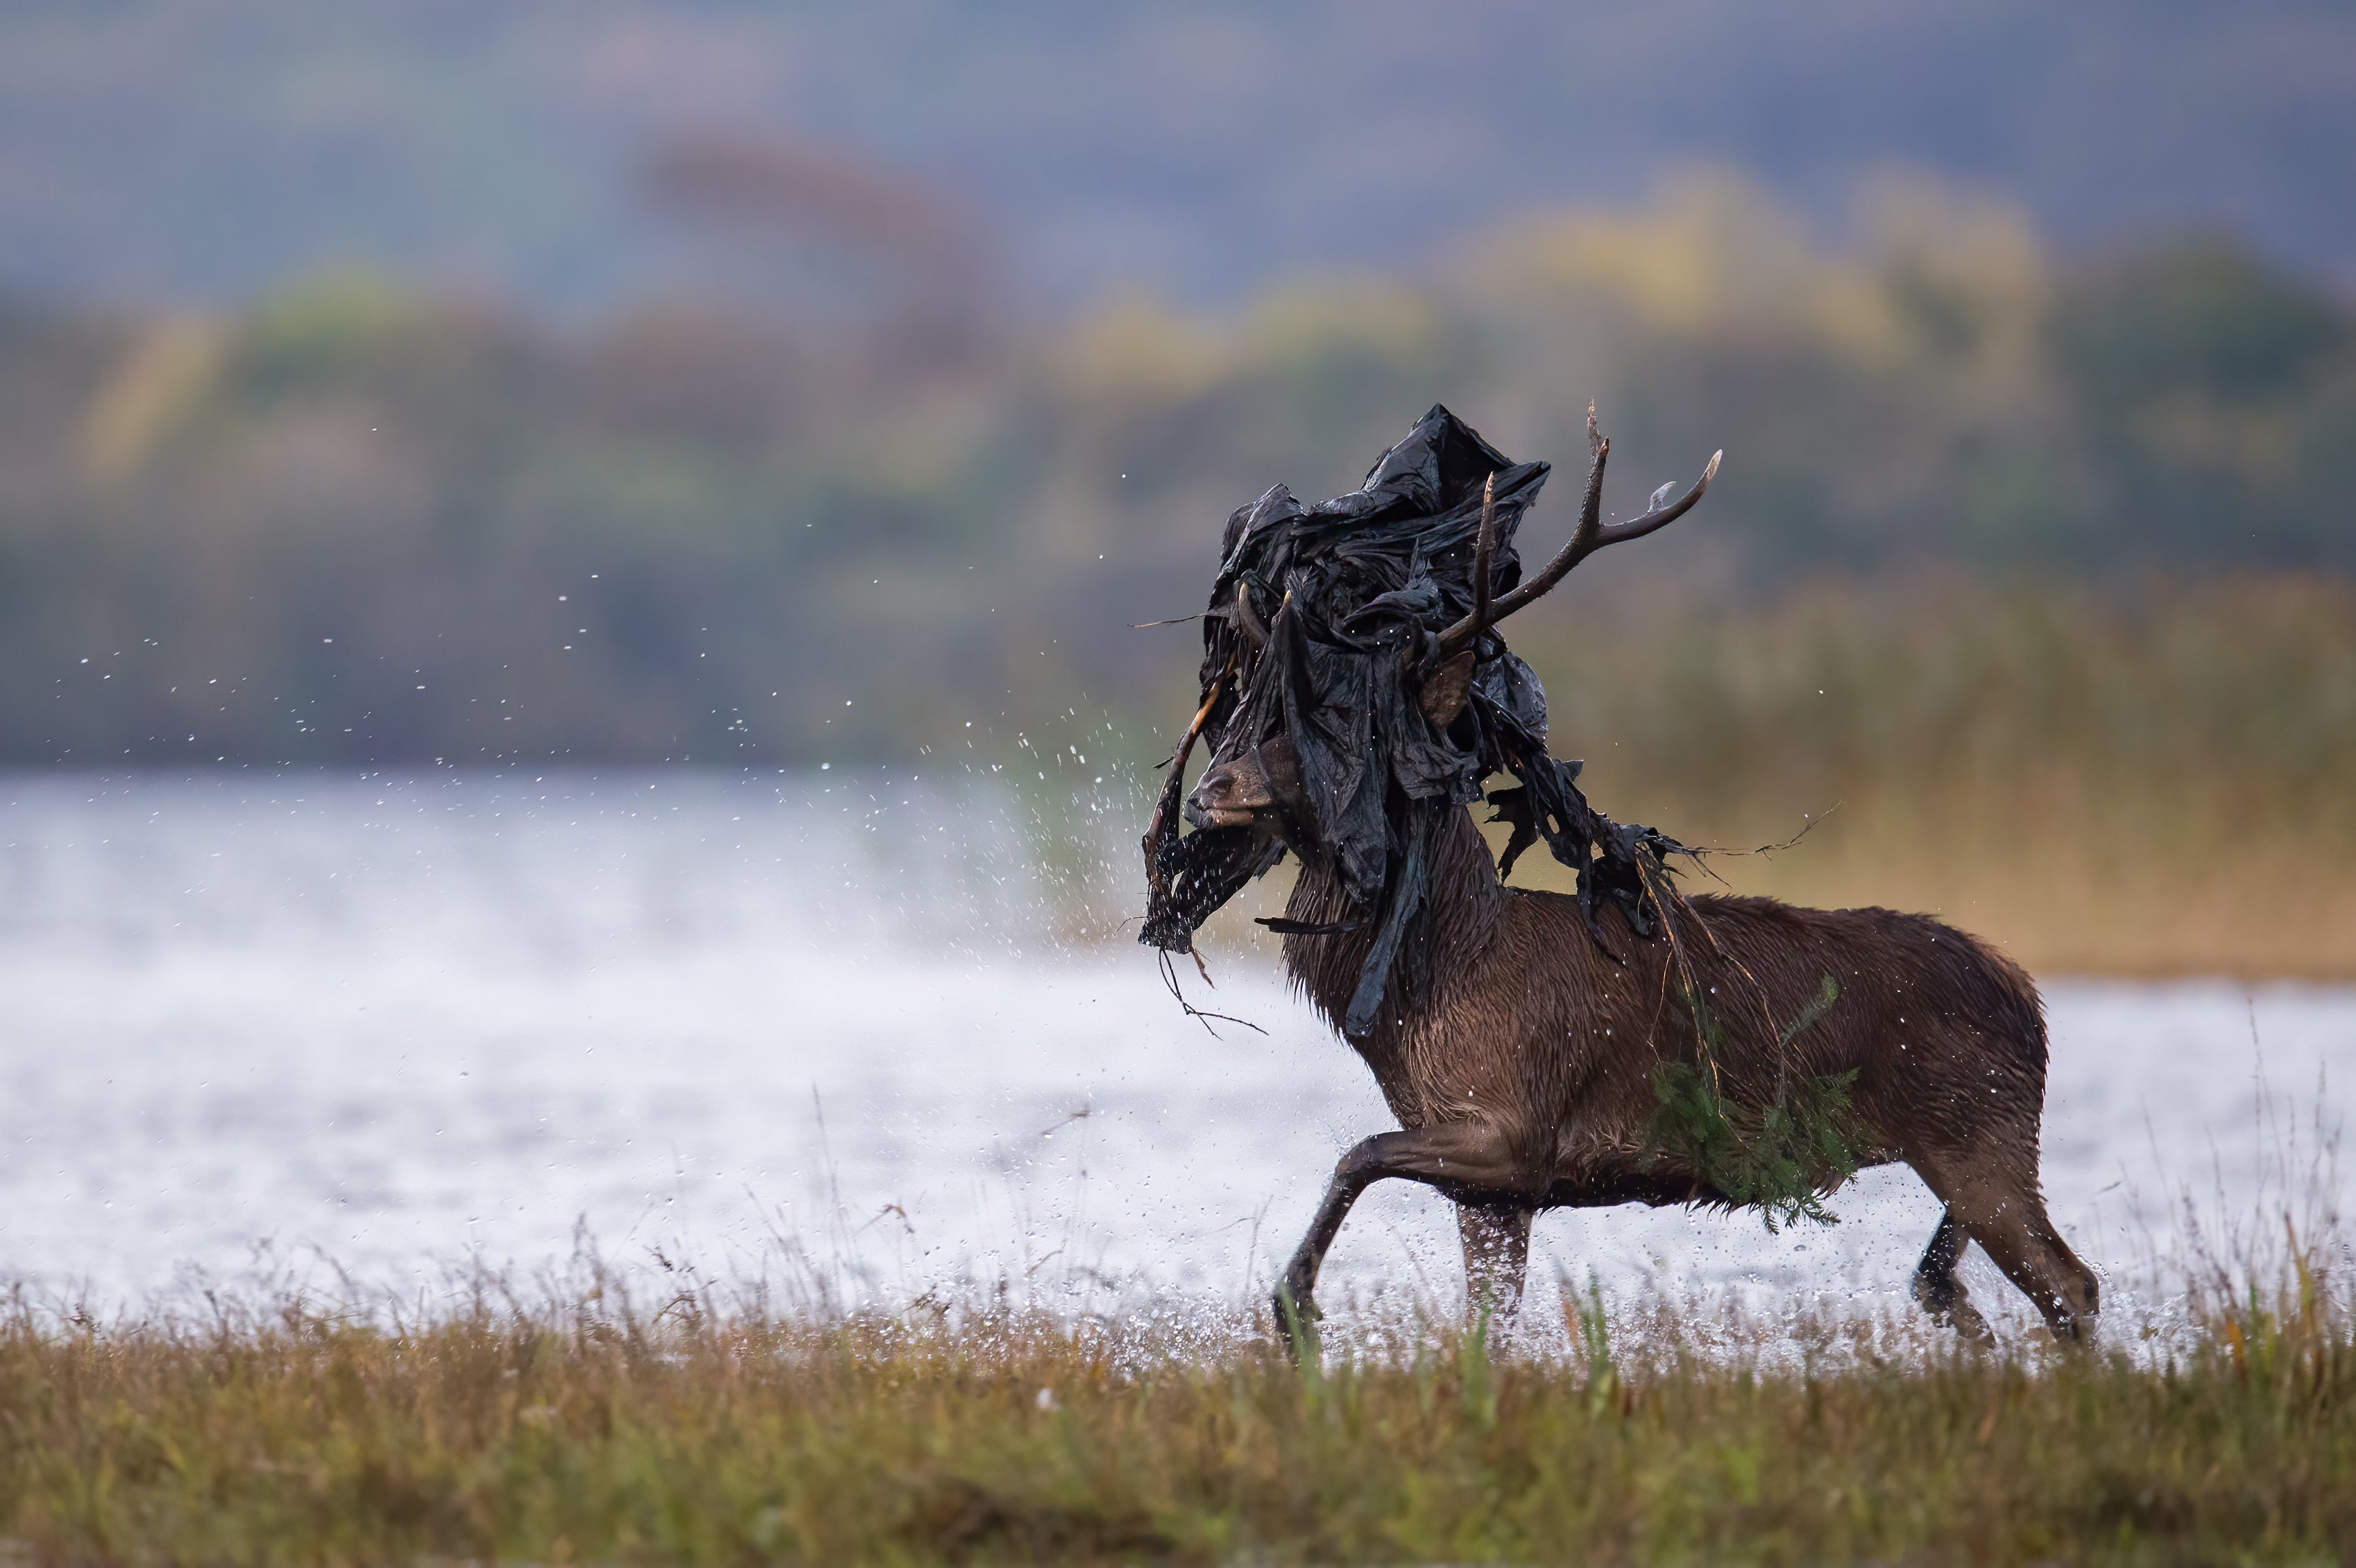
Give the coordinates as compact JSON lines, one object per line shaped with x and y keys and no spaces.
{"x":1359,"y":628}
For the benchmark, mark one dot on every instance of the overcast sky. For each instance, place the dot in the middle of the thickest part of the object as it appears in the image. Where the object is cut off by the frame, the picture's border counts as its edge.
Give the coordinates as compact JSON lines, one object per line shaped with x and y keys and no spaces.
{"x":208,"y":148}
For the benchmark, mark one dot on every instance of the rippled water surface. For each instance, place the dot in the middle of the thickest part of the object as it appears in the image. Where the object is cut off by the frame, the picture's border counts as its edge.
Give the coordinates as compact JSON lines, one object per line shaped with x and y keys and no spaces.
{"x":394,"y":1024}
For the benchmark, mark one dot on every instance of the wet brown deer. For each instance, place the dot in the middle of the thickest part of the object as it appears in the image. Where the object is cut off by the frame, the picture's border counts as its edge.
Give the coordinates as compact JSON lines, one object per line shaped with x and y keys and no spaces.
{"x":1516,"y":1035}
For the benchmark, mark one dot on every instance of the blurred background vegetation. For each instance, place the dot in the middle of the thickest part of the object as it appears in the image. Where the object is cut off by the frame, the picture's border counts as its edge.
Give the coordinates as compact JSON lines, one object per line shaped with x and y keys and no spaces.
{"x":2032,"y":550}
{"x":358,"y":522}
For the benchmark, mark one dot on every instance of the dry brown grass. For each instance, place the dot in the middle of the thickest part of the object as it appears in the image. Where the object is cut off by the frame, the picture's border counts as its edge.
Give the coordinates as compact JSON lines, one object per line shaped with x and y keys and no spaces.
{"x":2155,"y":782}
{"x":2052,"y":892}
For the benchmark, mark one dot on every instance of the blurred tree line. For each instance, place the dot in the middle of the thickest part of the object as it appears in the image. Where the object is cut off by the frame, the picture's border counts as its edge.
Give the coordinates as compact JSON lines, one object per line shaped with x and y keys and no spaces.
{"x":360,"y":523}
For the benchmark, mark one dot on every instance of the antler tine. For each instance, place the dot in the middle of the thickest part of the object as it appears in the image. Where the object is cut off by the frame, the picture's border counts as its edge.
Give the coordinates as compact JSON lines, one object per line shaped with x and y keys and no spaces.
{"x":1245,"y":621}
{"x":1589,"y":537}
{"x":1662,"y":516}
{"x":1156,"y":882}
{"x":1481,"y":550}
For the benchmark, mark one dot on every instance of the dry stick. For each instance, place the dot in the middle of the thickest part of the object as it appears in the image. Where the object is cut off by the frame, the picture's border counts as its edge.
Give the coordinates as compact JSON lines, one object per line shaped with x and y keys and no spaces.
{"x":1701,"y":852}
{"x":1203,"y":715}
{"x":1200,"y":1015}
{"x":1766,"y":1013}
{"x":1693,"y":1004}
{"x":1156,"y":883}
{"x":1218,"y":683}
{"x":1662,"y":893}
{"x":1758,"y":992}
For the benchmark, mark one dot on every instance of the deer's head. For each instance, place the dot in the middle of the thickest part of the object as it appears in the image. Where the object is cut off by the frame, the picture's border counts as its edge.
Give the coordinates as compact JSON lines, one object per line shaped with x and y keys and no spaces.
{"x":1255,"y":786}
{"x":1354,"y":685}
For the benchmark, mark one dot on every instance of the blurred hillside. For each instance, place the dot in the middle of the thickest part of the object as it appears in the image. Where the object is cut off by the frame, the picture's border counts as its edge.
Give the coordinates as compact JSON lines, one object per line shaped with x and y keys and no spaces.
{"x":360,"y":522}
{"x":415,"y":382}
{"x":208,"y":149}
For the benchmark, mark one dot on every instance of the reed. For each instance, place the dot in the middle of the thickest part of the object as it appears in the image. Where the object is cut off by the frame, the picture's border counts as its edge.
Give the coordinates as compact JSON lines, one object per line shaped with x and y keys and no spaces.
{"x":2143,"y":781}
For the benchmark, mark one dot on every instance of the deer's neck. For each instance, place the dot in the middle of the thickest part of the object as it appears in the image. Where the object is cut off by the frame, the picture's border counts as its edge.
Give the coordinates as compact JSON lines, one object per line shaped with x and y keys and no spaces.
{"x":1464,"y":902}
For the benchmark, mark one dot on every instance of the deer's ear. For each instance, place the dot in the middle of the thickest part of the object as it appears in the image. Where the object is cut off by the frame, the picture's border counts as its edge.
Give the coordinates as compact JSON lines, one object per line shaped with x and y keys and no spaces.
{"x":1279,"y":763}
{"x":1446,"y":689}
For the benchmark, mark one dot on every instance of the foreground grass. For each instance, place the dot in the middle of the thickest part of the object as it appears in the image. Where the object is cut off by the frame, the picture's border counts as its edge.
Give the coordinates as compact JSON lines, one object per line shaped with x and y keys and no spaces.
{"x":586,"y":1432}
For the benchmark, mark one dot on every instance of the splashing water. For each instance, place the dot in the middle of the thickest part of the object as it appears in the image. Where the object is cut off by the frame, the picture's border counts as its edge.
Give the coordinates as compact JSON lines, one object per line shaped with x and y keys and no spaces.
{"x":393,"y":1022}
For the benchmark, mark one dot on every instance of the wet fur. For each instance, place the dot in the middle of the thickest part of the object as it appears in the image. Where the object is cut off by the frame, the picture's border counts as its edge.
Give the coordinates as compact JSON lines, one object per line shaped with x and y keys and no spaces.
{"x":1534,"y":1043}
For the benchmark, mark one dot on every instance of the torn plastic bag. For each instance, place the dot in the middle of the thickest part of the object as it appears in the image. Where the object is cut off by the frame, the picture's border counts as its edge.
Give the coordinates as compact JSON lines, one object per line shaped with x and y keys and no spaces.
{"x":1322,"y":624}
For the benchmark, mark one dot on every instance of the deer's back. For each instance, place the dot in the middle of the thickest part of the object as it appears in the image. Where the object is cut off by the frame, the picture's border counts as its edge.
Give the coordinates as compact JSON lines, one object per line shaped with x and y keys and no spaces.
{"x":1547,"y":1033}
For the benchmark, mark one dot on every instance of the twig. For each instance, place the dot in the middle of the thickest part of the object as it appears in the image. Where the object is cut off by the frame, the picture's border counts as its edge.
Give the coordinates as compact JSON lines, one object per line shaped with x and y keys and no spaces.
{"x":1200,"y":1015}
{"x":1770,"y":848}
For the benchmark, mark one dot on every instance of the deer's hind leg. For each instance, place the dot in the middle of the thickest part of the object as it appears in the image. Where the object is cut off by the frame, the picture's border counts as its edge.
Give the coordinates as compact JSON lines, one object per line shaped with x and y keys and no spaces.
{"x":1998,"y":1203}
{"x":1941,"y":1293}
{"x":2020,"y":1240}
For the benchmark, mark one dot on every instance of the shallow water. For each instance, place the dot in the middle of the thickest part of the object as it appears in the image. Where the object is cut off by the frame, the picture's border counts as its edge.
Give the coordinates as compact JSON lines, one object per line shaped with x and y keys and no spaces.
{"x":764,"y":1024}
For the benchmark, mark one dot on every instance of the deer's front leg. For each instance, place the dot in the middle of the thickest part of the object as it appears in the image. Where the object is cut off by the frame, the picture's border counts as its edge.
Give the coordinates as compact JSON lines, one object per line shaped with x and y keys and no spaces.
{"x":1497,"y":1240}
{"x":1469,"y":1161}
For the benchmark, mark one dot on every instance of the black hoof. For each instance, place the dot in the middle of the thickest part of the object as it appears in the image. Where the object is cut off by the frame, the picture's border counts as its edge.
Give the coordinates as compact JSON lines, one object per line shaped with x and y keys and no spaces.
{"x":1296,"y":1318}
{"x":1950,"y":1308}
{"x":2075,"y":1332}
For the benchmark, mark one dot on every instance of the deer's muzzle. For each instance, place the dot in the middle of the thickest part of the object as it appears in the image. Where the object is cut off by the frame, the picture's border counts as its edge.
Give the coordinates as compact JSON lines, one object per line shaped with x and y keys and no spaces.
{"x":1242,"y":789}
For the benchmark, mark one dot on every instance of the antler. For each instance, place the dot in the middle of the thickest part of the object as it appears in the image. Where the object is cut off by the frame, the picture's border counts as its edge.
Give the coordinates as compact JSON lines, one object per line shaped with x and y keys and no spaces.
{"x":1156,"y":883}
{"x":1591,"y":536}
{"x":1161,"y":826}
{"x":1245,"y":621}
{"x":1481,"y":550}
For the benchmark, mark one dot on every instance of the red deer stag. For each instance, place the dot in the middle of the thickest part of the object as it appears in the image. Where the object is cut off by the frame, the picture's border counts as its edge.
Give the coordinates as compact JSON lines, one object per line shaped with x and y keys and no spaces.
{"x":1356,"y":697}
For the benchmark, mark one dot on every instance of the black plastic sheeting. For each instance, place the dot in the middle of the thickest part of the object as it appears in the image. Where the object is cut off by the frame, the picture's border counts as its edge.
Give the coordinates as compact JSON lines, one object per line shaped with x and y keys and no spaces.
{"x":1352,"y":597}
